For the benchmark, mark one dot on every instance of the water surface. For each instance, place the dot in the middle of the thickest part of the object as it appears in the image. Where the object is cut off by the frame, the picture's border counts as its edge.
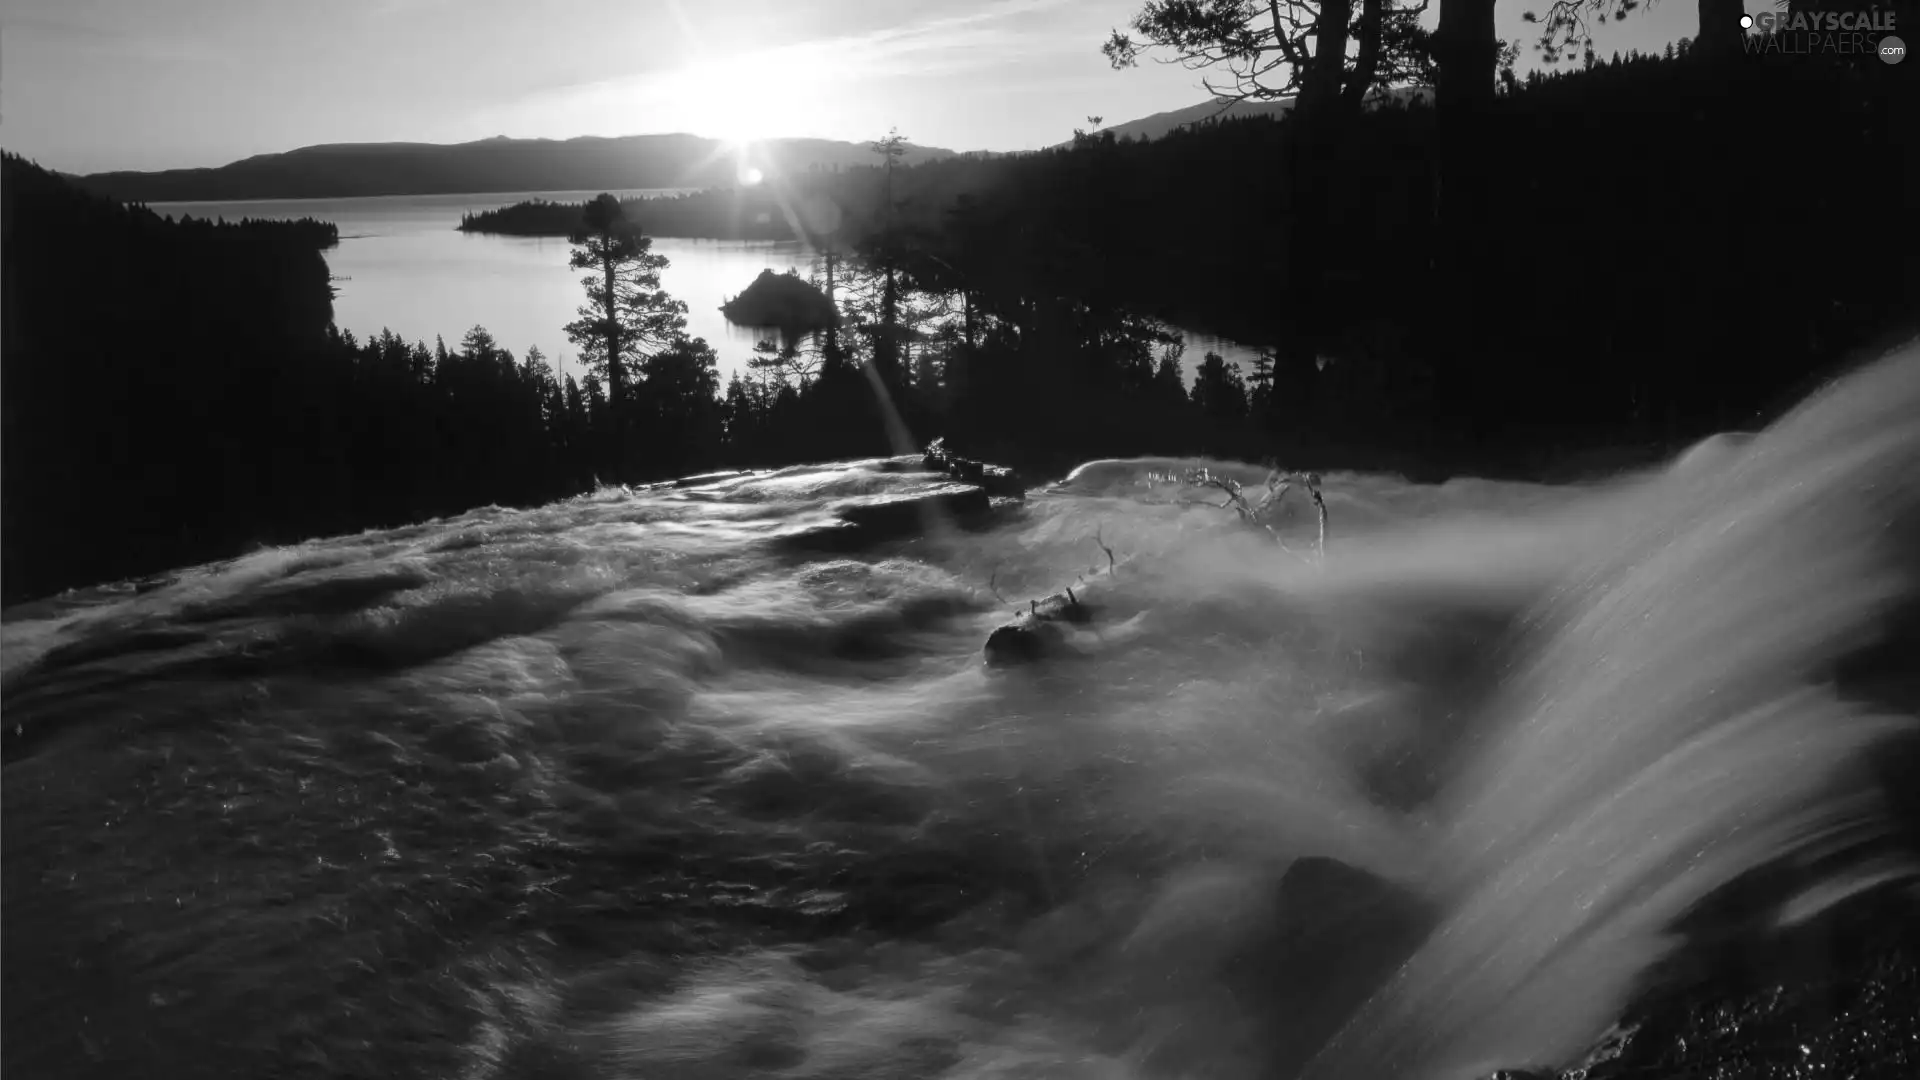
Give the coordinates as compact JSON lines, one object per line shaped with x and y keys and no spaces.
{"x":401,"y":264}
{"x":650,"y":784}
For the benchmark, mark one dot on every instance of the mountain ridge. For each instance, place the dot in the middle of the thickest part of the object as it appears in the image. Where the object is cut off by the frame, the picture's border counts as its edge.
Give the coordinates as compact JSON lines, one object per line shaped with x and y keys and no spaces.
{"x":502,"y":163}
{"x":499,"y":163}
{"x":1160,"y":124}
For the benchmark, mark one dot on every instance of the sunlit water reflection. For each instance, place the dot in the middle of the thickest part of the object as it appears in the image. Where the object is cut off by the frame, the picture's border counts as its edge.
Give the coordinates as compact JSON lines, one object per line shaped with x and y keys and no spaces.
{"x":402,"y":265}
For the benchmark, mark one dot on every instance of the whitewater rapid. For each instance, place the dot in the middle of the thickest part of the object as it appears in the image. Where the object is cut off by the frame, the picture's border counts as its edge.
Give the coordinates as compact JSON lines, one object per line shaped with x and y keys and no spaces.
{"x":653,"y":783}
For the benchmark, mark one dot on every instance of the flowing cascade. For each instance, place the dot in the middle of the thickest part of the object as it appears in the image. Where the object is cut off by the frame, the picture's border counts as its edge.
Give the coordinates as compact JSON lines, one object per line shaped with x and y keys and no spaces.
{"x":712,"y":779}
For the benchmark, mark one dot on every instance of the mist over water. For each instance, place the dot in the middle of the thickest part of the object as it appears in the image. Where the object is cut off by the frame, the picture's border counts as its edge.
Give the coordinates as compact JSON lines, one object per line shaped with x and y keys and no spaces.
{"x":641,"y":784}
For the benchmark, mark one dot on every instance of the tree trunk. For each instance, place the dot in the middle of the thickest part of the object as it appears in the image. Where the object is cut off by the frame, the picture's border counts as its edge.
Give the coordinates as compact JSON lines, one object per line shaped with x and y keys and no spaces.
{"x":1311,"y":153}
{"x":1322,"y":87}
{"x":833,"y":328}
{"x":1720,"y":31}
{"x":1469,"y":55}
{"x":886,"y":350}
{"x":610,"y":312}
{"x":1367,"y":65}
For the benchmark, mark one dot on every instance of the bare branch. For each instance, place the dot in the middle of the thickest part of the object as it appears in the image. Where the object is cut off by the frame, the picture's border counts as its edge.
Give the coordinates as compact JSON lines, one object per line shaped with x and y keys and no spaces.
{"x":1111,"y":565}
{"x":1277,"y":486}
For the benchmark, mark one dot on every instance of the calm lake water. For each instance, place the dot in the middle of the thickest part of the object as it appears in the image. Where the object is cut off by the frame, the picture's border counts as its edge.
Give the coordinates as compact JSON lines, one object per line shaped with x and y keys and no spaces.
{"x":402,"y":265}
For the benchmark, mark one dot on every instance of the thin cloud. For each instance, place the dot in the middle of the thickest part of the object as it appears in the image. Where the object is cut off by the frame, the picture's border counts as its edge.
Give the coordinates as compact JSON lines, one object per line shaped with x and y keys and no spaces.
{"x":944,"y":45}
{"x":991,"y":36}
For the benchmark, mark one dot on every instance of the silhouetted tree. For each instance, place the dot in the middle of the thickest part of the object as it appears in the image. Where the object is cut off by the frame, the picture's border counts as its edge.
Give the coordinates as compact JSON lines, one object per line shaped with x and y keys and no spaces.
{"x":1264,"y":52}
{"x":884,"y":251}
{"x":784,"y":360}
{"x":197,"y":376}
{"x":1260,"y":387}
{"x":678,"y":399}
{"x":1219,"y":390}
{"x":1270,"y":51}
{"x":626,"y":310}
{"x":1566,"y":32}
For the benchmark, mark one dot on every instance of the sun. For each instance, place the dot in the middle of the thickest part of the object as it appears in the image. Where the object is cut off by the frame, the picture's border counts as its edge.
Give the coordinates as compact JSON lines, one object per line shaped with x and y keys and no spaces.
{"x":744,"y":99}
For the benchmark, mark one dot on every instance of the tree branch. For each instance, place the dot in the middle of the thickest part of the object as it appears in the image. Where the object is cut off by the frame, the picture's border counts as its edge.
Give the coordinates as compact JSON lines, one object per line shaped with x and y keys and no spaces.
{"x":1565,"y":26}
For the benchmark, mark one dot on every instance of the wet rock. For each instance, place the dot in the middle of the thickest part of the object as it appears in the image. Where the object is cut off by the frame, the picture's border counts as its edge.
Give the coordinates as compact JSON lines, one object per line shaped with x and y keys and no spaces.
{"x":1338,"y":932}
{"x":995,"y":479}
{"x":1778,"y":1010}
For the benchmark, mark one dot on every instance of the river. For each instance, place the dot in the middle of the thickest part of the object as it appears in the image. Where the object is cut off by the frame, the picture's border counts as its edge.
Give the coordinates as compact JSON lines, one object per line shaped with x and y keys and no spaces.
{"x":647,"y":784}
{"x":403,"y":265}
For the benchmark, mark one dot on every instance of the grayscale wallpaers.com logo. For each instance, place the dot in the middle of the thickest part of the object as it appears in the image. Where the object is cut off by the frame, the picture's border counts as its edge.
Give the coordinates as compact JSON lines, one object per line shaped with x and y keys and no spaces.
{"x":1836,"y":32}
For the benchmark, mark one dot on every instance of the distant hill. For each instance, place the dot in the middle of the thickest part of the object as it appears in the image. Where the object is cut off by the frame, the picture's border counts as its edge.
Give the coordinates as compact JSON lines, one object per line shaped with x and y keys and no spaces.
{"x":500,"y":164}
{"x":1160,"y":124}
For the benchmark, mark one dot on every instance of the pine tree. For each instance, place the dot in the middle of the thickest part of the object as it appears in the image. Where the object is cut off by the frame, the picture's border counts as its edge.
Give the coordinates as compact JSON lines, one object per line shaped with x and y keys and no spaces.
{"x":626,"y":310}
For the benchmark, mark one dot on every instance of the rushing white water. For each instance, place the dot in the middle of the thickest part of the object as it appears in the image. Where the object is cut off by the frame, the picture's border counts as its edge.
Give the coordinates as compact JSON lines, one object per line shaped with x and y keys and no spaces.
{"x":635,"y":785}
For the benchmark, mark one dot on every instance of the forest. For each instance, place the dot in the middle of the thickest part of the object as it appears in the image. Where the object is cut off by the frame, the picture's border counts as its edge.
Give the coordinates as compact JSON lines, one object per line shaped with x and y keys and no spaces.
{"x":1625,"y":256}
{"x":713,"y":214}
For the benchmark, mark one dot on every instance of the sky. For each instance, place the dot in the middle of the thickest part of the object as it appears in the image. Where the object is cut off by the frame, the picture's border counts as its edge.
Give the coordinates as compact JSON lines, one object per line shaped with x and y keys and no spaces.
{"x":94,"y":85}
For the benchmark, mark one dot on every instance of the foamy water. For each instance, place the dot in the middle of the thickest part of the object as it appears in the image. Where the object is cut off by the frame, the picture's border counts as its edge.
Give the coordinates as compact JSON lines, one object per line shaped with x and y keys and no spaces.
{"x":636,"y":785}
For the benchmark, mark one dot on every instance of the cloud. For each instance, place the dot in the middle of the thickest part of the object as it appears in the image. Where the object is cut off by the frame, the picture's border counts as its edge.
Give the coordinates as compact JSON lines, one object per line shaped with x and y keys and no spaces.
{"x":997,"y":34}
{"x":826,"y":85}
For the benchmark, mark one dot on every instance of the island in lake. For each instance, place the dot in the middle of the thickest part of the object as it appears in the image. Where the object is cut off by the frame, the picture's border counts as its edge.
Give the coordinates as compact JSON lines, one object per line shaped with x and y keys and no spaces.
{"x":713,"y":214}
{"x":787,"y":302}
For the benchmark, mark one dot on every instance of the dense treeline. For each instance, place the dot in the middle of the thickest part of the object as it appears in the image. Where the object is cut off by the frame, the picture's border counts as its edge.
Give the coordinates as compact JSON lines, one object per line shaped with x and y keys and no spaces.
{"x":1624,"y":281}
{"x":176,"y":391}
{"x":1627,"y":276}
{"x":152,"y":373}
{"x":715,"y":214}
{"x":1607,"y":291}
{"x":1665,"y":246}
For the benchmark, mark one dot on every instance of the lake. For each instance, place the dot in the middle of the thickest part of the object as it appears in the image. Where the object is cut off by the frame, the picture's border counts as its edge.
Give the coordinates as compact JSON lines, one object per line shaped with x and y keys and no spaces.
{"x":403,"y":265}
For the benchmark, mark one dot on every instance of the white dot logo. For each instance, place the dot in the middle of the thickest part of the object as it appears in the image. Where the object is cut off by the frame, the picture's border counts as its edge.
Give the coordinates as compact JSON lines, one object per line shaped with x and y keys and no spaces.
{"x":1892,"y":49}
{"x":1746,"y":22}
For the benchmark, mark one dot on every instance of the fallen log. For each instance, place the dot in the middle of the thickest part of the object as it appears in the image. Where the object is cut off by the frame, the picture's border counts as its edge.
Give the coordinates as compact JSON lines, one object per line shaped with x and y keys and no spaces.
{"x":1039,"y":631}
